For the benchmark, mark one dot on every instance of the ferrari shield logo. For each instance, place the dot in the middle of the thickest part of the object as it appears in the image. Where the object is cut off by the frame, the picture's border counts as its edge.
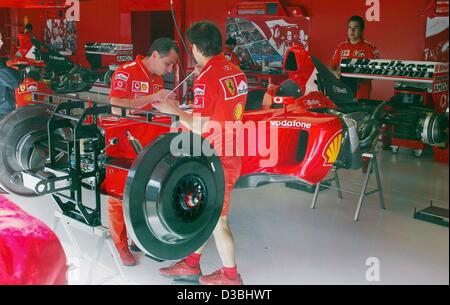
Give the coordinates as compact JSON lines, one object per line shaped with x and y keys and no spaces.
{"x":229,"y":84}
{"x":22,"y":88}
{"x":234,"y":86}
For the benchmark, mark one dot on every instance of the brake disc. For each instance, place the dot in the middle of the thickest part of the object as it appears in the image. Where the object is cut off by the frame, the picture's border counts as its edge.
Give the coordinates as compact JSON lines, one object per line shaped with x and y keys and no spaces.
{"x":172,"y":203}
{"x":24,"y":136}
{"x":432,"y":128}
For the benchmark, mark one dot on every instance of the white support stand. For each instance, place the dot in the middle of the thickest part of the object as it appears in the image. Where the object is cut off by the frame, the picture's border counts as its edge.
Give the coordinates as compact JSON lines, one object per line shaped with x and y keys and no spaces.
{"x":372,"y":168}
{"x":103,"y":236}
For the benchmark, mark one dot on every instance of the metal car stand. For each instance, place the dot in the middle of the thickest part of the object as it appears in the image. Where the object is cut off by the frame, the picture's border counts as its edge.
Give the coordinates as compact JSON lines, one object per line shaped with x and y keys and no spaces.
{"x":66,"y":180}
{"x":372,"y":168}
{"x":99,"y":231}
{"x":433,"y":214}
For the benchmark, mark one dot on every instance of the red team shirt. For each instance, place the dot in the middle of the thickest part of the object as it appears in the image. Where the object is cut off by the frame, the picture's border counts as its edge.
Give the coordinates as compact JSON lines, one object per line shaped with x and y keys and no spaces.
{"x":362,"y":49}
{"x":220,"y":93}
{"x":132,"y":81}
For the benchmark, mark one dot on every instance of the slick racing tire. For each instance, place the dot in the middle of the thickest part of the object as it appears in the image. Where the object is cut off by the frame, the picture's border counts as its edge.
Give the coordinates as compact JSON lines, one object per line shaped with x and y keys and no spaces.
{"x":23,"y":145}
{"x":173,"y":201}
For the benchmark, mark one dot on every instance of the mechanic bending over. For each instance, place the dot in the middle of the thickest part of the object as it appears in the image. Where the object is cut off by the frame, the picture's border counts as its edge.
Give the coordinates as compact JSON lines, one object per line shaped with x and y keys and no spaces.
{"x":137,"y":85}
{"x":220,"y":93}
{"x":355,"y":47}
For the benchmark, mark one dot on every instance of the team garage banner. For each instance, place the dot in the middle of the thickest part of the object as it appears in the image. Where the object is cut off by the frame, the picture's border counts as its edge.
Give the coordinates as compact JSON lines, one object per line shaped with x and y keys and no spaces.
{"x":61,"y":35}
{"x":436,"y":41}
{"x":436,"y":38}
{"x":262,"y":42}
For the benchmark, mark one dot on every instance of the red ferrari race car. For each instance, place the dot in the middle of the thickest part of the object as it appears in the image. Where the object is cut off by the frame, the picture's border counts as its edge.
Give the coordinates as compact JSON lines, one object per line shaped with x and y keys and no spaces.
{"x":173,"y":191}
{"x":46,"y":65}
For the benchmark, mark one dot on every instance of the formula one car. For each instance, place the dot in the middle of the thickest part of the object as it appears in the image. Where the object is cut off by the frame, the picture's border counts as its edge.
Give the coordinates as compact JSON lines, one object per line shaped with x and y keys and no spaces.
{"x":172,"y":190}
{"x":417,"y":114}
{"x":43,"y":63}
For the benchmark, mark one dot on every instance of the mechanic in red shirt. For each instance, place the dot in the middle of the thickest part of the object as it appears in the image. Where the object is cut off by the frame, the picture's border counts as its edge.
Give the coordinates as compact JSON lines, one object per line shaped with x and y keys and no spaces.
{"x":230,"y":45}
{"x":220,"y":96}
{"x":355,"y":47}
{"x":24,"y":43}
{"x":137,"y":85}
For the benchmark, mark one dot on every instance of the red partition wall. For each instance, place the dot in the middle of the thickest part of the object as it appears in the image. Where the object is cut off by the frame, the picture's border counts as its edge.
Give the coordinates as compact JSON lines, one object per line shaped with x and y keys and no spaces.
{"x":399,"y":33}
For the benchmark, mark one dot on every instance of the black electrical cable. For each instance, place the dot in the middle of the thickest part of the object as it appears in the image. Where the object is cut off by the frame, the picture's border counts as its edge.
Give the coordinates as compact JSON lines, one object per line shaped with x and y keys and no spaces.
{"x":181,"y":35}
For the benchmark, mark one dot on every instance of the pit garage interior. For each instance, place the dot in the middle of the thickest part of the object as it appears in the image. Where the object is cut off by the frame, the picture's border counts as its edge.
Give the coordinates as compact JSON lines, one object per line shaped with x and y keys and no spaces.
{"x":391,"y":228}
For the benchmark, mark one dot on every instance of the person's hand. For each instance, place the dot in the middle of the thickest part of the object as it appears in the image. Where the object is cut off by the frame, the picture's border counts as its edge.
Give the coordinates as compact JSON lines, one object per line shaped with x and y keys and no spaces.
{"x":168,"y":106}
{"x":162,"y":95}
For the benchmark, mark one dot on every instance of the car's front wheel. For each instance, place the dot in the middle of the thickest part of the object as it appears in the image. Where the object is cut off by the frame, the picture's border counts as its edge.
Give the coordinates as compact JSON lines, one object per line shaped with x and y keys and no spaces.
{"x":172,"y":202}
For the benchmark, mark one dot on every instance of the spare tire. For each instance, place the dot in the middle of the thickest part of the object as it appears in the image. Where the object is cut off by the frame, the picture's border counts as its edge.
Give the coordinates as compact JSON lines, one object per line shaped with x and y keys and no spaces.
{"x":2,"y":191}
{"x":23,"y":145}
{"x":172,"y":203}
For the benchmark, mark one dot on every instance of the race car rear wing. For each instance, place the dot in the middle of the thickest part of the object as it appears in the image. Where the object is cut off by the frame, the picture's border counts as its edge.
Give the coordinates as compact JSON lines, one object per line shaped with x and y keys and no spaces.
{"x":396,"y":70}
{"x":338,"y":91}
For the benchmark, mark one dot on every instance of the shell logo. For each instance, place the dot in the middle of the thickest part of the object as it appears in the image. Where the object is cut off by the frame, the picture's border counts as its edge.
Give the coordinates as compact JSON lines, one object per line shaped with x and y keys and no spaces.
{"x":238,"y":110}
{"x":331,"y":152}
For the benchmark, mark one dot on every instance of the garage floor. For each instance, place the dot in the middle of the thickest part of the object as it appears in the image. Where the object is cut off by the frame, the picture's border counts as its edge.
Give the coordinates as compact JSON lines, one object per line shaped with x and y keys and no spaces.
{"x":280,"y":240}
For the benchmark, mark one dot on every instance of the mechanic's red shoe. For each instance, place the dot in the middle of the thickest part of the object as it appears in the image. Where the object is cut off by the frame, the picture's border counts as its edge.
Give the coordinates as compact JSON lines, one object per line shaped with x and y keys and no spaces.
{"x":181,"y":271}
{"x":219,"y":278}
{"x":127,"y":257}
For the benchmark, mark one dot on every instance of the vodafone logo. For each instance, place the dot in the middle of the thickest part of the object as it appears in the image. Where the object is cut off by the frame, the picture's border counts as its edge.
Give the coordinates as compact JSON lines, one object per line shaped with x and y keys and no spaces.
{"x":140,"y":87}
{"x":278,"y":100}
{"x":291,"y":123}
{"x":120,"y":85}
{"x":199,"y":102}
